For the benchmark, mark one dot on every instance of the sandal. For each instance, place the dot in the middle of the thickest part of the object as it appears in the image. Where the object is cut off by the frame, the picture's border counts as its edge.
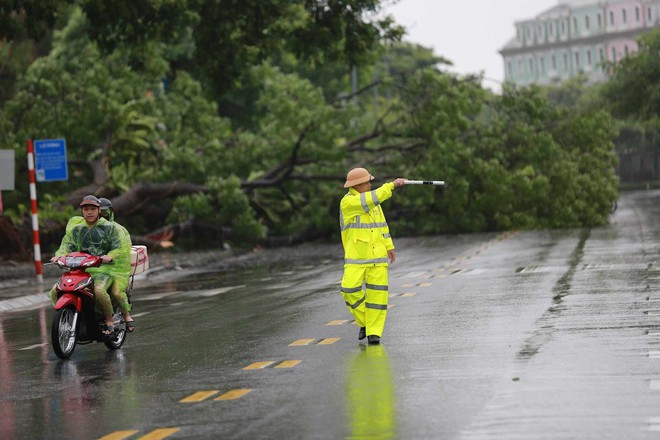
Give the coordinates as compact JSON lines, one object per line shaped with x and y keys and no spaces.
{"x":107,"y":328}
{"x":130,"y":326}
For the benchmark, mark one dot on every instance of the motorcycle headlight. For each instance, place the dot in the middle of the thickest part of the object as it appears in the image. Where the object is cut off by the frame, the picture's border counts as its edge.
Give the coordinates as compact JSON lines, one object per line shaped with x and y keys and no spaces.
{"x":74,"y":261}
{"x":83,"y":283}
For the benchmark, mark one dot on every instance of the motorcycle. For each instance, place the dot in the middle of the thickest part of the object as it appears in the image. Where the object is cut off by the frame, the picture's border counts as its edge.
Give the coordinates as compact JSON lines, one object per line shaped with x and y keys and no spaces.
{"x":76,"y":319}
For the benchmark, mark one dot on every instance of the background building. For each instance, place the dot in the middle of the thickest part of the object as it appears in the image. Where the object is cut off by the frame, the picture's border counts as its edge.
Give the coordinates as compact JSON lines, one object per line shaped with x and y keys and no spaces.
{"x":574,"y":37}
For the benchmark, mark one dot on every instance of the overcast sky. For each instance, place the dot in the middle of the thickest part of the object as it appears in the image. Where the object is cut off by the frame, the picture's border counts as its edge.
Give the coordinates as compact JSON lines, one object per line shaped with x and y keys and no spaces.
{"x":467,"y":32}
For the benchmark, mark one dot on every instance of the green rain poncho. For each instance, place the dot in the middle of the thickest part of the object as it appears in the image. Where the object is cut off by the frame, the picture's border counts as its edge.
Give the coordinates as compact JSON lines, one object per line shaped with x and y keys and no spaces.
{"x":104,"y":238}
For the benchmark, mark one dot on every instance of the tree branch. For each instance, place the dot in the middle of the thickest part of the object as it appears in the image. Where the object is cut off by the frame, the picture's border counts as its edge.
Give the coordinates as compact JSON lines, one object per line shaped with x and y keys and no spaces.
{"x":142,"y":193}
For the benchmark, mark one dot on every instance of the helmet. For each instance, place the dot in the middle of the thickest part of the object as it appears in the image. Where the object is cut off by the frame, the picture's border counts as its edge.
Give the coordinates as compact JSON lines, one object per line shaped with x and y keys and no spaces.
{"x":106,"y":209}
{"x":105,"y":203}
{"x":357,"y":176}
{"x":90,"y":200}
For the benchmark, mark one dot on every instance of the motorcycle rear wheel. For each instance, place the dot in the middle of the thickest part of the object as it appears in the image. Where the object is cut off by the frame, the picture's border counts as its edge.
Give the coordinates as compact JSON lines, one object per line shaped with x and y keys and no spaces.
{"x":119,"y":336}
{"x":62,"y":333}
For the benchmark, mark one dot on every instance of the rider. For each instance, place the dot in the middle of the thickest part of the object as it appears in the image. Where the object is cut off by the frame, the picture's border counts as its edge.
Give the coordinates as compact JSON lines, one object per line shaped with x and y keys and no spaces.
{"x":122,"y":267}
{"x":96,"y":236}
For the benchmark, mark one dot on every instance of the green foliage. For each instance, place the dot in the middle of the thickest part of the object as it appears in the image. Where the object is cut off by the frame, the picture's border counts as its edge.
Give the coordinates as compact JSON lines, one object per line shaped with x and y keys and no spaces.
{"x":634,"y":90}
{"x":225,"y":38}
{"x":530,"y":165}
{"x":633,"y":96}
{"x":225,"y":204}
{"x":74,"y":80}
{"x":50,"y":207}
{"x":29,"y":19}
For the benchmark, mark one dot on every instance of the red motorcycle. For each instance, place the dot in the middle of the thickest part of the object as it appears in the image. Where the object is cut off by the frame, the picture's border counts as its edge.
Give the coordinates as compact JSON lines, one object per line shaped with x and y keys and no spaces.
{"x":76,"y":319}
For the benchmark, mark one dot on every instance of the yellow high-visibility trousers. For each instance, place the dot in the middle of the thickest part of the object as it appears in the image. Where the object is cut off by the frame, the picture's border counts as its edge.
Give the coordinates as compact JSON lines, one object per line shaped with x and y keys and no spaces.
{"x":365,"y":292}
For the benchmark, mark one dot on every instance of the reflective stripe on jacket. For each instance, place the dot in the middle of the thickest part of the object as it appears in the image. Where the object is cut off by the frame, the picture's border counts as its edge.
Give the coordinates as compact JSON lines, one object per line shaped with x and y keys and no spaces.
{"x":364,"y":231}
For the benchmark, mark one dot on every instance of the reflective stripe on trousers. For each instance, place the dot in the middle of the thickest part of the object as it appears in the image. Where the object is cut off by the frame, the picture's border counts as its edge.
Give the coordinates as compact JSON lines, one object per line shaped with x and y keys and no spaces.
{"x":365,"y":291}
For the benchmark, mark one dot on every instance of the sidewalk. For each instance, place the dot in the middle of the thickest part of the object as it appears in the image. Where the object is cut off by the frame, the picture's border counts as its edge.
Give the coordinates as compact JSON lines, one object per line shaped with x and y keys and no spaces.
{"x":23,"y":291}
{"x":24,"y":302}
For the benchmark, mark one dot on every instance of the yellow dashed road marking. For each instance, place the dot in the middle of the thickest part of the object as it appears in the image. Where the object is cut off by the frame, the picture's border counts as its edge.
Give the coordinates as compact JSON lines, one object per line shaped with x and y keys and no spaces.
{"x":408,"y":294}
{"x":425,"y":284}
{"x":259,"y":365}
{"x":158,"y":434}
{"x":119,"y":435}
{"x":301,"y":342}
{"x":337,"y":322}
{"x":389,"y":306}
{"x":328,"y":341}
{"x":199,"y":396}
{"x":406,"y":286}
{"x":288,"y":364}
{"x":234,"y":394}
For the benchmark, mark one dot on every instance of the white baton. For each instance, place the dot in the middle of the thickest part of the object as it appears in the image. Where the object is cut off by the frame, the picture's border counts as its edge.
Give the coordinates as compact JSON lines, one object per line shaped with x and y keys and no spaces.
{"x":424,"y":182}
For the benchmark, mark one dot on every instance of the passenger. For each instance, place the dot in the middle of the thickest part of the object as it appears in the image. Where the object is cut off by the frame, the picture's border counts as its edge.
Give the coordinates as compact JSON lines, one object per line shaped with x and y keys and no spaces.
{"x":121,"y":270}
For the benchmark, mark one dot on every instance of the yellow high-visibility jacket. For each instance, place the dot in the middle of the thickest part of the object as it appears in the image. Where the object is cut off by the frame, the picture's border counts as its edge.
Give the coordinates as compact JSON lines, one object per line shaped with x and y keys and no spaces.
{"x":364,"y":231}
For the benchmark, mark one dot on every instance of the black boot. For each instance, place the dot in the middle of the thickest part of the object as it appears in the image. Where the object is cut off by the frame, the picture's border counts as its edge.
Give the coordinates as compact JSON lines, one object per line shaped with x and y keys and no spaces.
{"x":362,"y":333}
{"x":373,"y":339}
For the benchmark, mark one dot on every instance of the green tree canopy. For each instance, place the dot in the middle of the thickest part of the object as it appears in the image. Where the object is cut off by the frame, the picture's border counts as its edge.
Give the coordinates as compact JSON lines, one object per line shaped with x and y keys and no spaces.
{"x":633,"y":90}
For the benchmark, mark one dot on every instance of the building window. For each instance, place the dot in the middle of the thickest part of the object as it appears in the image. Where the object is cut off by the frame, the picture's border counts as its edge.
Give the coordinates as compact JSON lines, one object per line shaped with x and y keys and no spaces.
{"x":601,"y":55}
{"x":650,"y":14}
{"x":531,"y":65}
{"x":577,"y":59}
{"x":520,"y":67}
{"x":637,"y":15}
{"x":624,"y":16}
{"x":586,"y":22}
{"x":509,"y":68}
{"x":563,"y":27}
{"x":554,"y":62}
{"x":551,"y":29}
{"x":612,"y":18}
{"x":589,"y":57}
{"x":565,"y":61}
{"x":575,"y":24}
{"x":599,"y":18}
{"x":625,"y":50}
{"x":613,"y":55}
{"x":542,"y":61}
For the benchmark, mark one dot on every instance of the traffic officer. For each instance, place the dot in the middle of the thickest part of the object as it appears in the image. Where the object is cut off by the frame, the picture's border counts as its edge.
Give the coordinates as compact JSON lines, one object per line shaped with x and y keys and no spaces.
{"x":368,"y":249}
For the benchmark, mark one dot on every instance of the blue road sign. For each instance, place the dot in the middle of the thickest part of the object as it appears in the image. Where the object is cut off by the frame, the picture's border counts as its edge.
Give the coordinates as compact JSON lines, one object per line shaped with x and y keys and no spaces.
{"x":50,"y":160}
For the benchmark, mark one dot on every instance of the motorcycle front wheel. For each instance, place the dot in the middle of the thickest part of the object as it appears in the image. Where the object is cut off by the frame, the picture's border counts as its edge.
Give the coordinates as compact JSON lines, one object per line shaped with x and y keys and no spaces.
{"x":63,"y":332}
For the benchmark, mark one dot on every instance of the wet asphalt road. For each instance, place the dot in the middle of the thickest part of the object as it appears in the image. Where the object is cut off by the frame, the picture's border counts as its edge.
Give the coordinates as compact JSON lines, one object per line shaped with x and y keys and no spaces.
{"x":522,"y":335}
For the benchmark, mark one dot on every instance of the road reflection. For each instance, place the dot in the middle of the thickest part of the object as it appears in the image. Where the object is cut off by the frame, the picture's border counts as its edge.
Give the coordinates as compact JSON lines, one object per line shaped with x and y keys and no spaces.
{"x":370,"y":394}
{"x":7,"y":414}
{"x":86,"y":393}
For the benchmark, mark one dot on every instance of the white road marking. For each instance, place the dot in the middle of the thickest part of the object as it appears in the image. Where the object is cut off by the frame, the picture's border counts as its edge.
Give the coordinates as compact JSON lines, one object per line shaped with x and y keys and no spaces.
{"x":30,"y":347}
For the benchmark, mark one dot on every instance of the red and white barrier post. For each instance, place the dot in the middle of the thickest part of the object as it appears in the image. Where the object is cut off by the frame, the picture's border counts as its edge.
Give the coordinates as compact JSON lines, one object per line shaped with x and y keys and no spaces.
{"x":35,"y":218}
